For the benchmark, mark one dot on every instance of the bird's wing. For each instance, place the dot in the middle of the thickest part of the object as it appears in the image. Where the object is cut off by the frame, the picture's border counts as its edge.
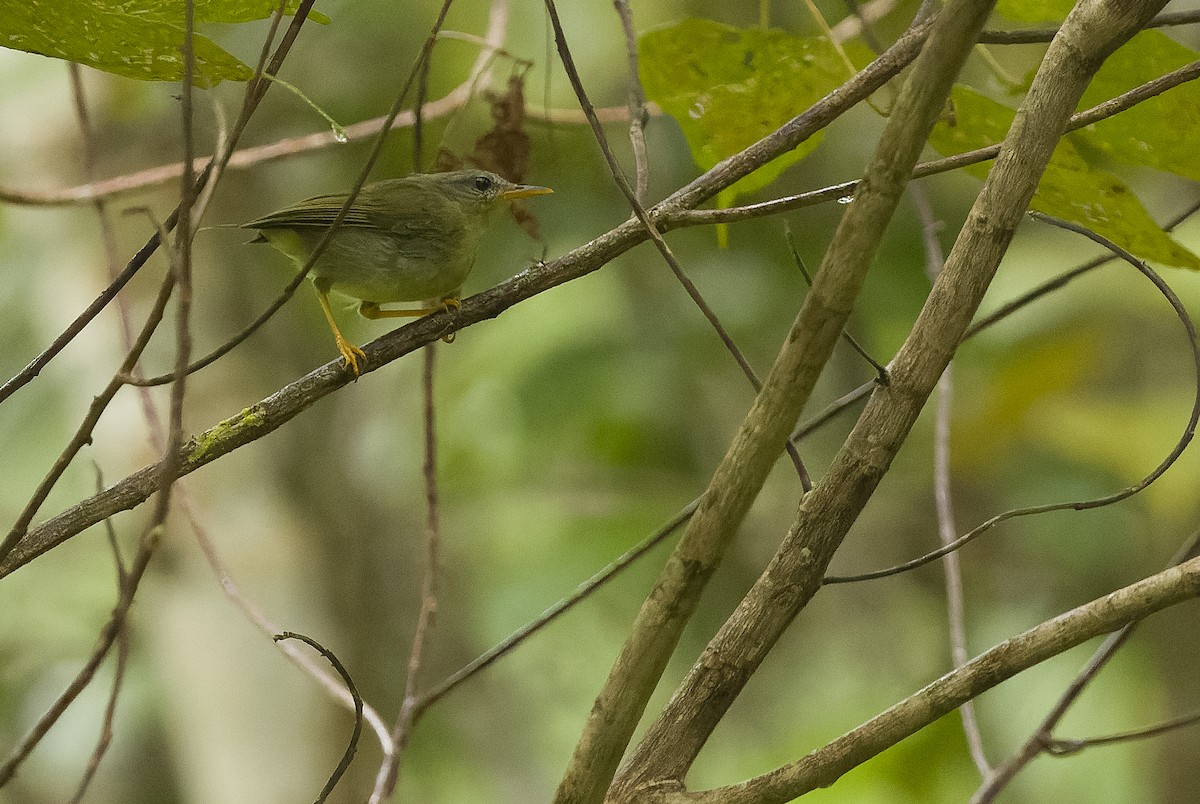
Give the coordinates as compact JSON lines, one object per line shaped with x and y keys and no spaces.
{"x":408,"y":210}
{"x":315,"y":213}
{"x":402,"y":208}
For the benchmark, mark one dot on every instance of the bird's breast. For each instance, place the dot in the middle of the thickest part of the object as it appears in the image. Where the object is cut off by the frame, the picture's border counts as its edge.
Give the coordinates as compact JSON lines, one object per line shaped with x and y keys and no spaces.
{"x":379,"y":266}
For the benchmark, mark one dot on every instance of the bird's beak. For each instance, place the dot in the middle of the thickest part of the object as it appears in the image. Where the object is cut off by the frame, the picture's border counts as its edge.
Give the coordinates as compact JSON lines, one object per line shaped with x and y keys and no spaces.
{"x":524,"y":191}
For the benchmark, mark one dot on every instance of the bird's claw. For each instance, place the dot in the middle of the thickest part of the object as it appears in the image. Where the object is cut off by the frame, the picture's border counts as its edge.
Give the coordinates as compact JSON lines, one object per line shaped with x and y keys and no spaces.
{"x":351,"y":354}
{"x":450,"y":305}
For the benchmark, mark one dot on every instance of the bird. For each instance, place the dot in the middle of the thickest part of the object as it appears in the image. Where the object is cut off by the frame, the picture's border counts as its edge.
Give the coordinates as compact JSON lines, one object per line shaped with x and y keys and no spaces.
{"x":410,"y":239}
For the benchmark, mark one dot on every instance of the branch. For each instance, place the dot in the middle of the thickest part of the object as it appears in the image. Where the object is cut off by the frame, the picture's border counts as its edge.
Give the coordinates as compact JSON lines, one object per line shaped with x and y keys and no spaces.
{"x":352,"y":748}
{"x":764,"y":432}
{"x":410,"y":707}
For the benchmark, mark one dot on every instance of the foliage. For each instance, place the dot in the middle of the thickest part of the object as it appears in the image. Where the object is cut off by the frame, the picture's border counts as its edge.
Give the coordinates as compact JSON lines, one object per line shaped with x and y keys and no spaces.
{"x":1162,"y":132}
{"x":1070,"y":188}
{"x":729,"y":87}
{"x":133,"y":38}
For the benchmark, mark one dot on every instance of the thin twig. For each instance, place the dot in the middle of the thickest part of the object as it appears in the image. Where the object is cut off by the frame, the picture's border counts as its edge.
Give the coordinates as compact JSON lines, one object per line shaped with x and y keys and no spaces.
{"x":418,"y":144}
{"x":1033,"y":36}
{"x":1080,"y":505}
{"x":348,"y":756}
{"x":656,"y":237}
{"x":181,"y":267}
{"x":858,"y":22}
{"x":254,"y":156}
{"x":110,"y":709}
{"x":1061,"y":747}
{"x":385,"y":781}
{"x":881,"y":374}
{"x":582,"y":592}
{"x":259,"y":619}
{"x":956,"y":620}
{"x":637,"y":103}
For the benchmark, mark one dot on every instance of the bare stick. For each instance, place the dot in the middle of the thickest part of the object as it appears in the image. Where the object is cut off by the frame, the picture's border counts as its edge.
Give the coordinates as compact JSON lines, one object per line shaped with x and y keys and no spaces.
{"x":956,"y":620}
{"x":348,"y":756}
{"x":181,"y":267}
{"x":1041,"y":739}
{"x":637,"y":104}
{"x":880,"y":369}
{"x":108,"y":635}
{"x":1060,"y":747}
{"x":110,"y":709}
{"x":385,"y":780}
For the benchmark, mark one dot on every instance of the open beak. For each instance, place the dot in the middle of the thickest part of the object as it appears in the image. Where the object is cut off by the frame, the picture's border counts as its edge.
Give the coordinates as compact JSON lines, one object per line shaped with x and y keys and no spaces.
{"x":525,"y":191}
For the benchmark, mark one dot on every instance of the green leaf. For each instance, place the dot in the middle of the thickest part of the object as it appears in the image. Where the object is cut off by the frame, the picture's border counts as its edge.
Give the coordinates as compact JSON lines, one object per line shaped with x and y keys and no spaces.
{"x":134,"y":38}
{"x":1035,"y":10}
{"x":729,"y":87}
{"x":228,"y":10}
{"x":1162,"y":132}
{"x":1070,"y":188}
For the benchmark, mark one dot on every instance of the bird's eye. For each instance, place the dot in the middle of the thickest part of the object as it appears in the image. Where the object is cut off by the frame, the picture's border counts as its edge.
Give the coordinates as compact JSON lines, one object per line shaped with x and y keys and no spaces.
{"x":483,"y":184}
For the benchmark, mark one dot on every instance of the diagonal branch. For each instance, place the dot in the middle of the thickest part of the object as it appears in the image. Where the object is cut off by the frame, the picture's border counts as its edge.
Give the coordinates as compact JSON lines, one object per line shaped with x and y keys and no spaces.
{"x":675,"y":738}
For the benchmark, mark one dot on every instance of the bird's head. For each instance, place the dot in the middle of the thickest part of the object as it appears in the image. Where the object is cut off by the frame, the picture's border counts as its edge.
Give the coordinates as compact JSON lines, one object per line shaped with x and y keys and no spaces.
{"x":479,"y":188}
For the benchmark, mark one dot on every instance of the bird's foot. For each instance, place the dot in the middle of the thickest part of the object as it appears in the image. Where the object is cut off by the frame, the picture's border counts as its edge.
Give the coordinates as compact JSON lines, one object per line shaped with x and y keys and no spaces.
{"x":351,"y":354}
{"x":450,"y":304}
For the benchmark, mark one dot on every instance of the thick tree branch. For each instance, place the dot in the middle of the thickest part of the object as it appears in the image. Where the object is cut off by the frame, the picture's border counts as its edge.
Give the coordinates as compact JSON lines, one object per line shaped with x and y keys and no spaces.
{"x":681,"y":730}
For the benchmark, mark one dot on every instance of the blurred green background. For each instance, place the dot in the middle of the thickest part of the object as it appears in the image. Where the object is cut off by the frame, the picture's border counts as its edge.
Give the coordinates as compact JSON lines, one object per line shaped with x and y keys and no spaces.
{"x":569,"y":428}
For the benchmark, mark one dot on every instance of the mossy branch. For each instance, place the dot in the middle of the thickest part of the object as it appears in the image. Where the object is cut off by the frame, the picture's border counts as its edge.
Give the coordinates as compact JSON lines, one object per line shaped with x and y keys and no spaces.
{"x":281,"y":406}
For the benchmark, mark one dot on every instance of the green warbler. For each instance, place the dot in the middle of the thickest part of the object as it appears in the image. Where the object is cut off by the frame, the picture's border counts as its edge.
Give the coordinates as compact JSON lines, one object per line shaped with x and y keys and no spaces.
{"x":403,"y":240}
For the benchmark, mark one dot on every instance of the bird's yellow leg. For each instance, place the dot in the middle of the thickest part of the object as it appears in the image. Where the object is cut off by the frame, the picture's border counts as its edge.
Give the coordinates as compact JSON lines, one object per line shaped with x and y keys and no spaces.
{"x":372,"y":310}
{"x":350,"y":352}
